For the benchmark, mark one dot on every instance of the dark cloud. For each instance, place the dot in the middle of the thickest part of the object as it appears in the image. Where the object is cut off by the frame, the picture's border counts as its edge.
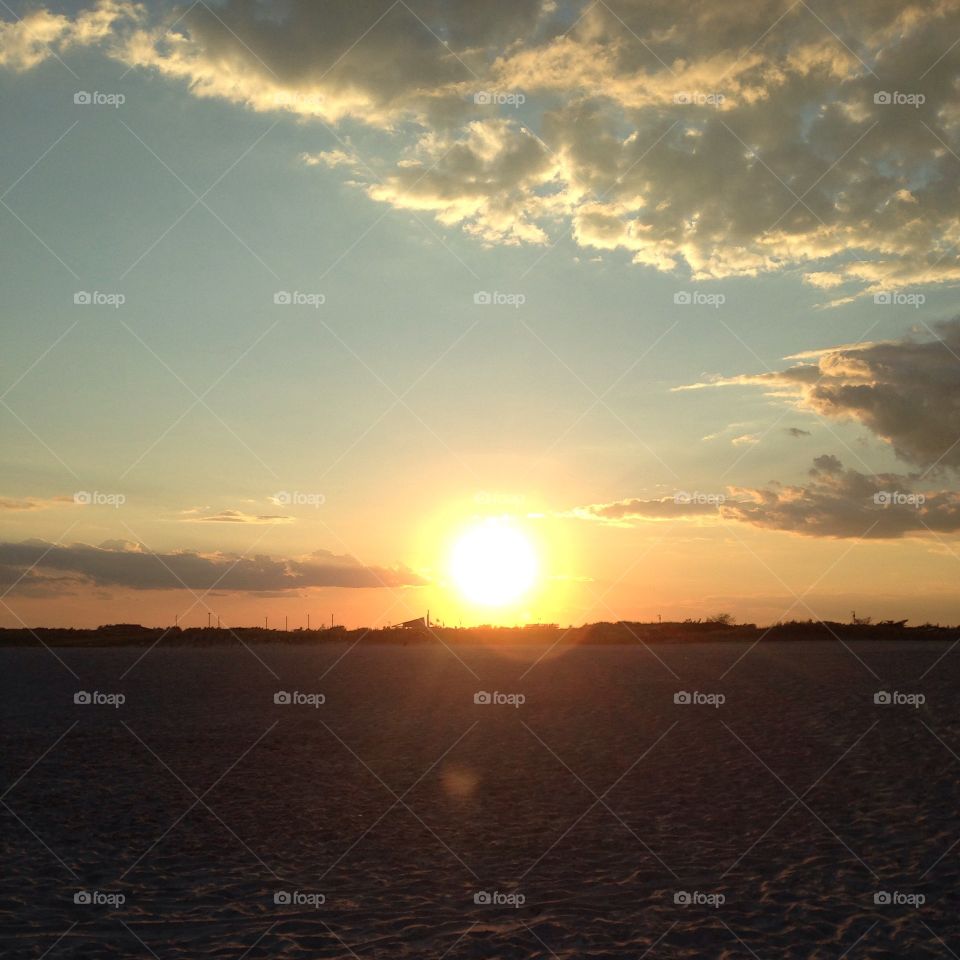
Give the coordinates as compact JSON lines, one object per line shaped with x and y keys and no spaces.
{"x":906,"y":391}
{"x":376,"y":61}
{"x":845,"y":503}
{"x":835,"y":502}
{"x":796,"y":432}
{"x":825,"y":463}
{"x":128,"y":565}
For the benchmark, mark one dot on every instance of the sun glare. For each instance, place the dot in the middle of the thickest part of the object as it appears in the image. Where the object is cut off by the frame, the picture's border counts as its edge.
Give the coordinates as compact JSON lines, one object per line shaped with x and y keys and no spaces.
{"x":493,"y":563}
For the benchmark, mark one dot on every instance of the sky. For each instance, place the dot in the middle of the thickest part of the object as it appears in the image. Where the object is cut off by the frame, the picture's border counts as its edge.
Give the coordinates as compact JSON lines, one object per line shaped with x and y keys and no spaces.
{"x":296,"y":293}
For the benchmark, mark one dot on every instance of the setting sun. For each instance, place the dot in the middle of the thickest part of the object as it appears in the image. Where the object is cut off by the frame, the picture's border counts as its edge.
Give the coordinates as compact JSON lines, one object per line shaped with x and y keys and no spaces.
{"x":493,"y":563}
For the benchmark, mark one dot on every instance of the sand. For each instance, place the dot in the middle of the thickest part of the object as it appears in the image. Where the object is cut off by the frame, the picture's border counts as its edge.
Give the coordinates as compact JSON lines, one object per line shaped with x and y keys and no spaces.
{"x":598,"y":817}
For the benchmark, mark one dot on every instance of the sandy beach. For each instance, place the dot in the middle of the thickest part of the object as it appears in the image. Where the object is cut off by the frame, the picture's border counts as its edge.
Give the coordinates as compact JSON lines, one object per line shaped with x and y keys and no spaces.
{"x":705,"y":800}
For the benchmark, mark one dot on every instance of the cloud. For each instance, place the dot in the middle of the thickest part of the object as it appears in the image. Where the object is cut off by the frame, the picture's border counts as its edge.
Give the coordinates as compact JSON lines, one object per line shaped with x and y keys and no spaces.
{"x":845,"y":503}
{"x":231,"y":516}
{"x":39,"y":34}
{"x":905,"y":391}
{"x":796,"y":432}
{"x":681,"y":505}
{"x":122,"y":564}
{"x":483,"y":179}
{"x":374,"y":61}
{"x":331,"y":159}
{"x":742,"y":138}
{"x":834,"y":502}
{"x":18,"y":504}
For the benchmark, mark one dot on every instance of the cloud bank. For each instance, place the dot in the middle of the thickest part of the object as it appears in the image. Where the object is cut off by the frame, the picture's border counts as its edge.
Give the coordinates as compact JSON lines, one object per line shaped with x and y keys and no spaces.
{"x":121,"y":564}
{"x":834,"y":502}
{"x":737,"y":139}
{"x":906,"y":391}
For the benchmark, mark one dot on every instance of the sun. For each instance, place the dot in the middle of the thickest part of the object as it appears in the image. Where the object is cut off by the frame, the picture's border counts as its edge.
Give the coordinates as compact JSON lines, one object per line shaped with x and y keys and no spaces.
{"x":493,"y":563}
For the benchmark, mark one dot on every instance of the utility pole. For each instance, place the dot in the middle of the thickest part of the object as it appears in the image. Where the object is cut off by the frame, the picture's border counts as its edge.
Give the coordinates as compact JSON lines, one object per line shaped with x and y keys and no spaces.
{"x":286,"y":623}
{"x":218,"y":621}
{"x":208,"y":619}
{"x":308,"y":621}
{"x":265,"y":621}
{"x":331,"y":621}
